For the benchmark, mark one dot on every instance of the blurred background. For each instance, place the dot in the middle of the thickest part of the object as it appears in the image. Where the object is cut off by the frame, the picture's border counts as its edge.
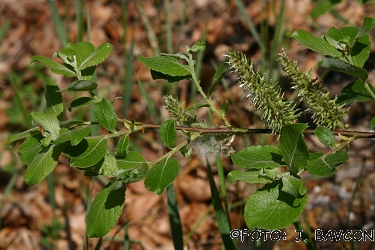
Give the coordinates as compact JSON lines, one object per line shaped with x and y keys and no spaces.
{"x":51,"y":215}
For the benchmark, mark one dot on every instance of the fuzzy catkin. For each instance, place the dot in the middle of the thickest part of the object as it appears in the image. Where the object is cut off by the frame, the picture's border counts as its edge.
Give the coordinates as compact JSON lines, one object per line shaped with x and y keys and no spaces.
{"x":265,"y":96}
{"x":325,"y":110}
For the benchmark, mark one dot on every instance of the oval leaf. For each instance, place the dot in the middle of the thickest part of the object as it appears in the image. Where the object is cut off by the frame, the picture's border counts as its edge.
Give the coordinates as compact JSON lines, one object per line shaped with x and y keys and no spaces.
{"x":87,"y":153}
{"x":105,"y":114}
{"x":106,"y":209}
{"x":80,"y":51}
{"x":293,"y":186}
{"x":54,"y":98}
{"x":168,"y":133}
{"x":43,"y":164}
{"x":344,"y":67}
{"x":266,"y":156}
{"x":326,"y":164}
{"x":316,"y":44}
{"x":54,"y":66}
{"x":24,"y":134}
{"x":271,"y":208}
{"x":49,"y":123}
{"x":122,"y":145}
{"x":97,"y":56}
{"x":29,"y":149}
{"x":75,"y":136}
{"x":219,"y":74}
{"x":325,"y":136}
{"x":293,"y":147}
{"x":82,"y":85}
{"x":81,"y":102}
{"x":162,"y":175}
{"x":167,"y":65}
{"x":354,"y":92}
{"x":132,"y":160}
{"x":251,"y":176}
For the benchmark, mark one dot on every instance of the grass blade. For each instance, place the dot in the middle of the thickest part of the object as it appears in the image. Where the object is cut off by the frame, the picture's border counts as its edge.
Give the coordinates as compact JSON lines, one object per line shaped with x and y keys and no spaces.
{"x":174,"y":218}
{"x":277,"y":38}
{"x":3,"y":30}
{"x":148,"y":101}
{"x":150,"y":32}
{"x":221,"y":215}
{"x":128,"y":67}
{"x":60,"y":29}
{"x":80,"y":23}
{"x":169,"y":27}
{"x":241,"y":8}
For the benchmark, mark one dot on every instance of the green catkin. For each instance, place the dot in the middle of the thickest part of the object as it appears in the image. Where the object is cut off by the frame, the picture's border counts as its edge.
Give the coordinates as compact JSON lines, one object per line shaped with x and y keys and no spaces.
{"x":325,"y":110}
{"x":180,"y":117}
{"x":265,"y":96}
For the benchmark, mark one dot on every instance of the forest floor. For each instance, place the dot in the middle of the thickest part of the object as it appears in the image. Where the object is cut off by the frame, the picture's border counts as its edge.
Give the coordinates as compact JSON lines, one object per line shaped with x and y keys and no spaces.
{"x":28,"y":220}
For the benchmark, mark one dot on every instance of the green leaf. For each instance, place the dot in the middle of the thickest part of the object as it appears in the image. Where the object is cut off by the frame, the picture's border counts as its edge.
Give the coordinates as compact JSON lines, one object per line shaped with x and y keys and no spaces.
{"x":372,"y":123}
{"x":87,"y":153}
{"x":49,"y":123}
{"x":367,"y":26}
{"x":81,"y":51}
{"x":342,"y":37}
{"x":224,"y":108}
{"x":109,"y":166}
{"x":75,"y":136}
{"x":81,"y":102}
{"x":326,"y":165}
{"x":198,"y":46}
{"x":122,"y":145}
{"x":97,"y":56}
{"x":54,"y":66}
{"x":271,"y":208}
{"x":132,"y":160}
{"x":106,"y":209}
{"x":158,"y":75}
{"x":197,"y":106}
{"x":323,"y":6}
{"x":341,"y":66}
{"x":43,"y":164}
{"x":167,"y":65}
{"x":168,"y":133}
{"x":82,"y":85}
{"x":105,"y":114}
{"x":54,"y":99}
{"x":24,"y":134}
{"x":261,"y":156}
{"x":162,"y":175}
{"x":30,"y":148}
{"x":293,"y":148}
{"x":316,"y":44}
{"x":133,"y":174}
{"x":293,"y":186}
{"x":251,"y":176}
{"x":139,"y":173}
{"x":219,"y":74}
{"x":178,"y":55}
{"x":325,"y":136}
{"x":354,"y":92}
{"x":355,"y":49}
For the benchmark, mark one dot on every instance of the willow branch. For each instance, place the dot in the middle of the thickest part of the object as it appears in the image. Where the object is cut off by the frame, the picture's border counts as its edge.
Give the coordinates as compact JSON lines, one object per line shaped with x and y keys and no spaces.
{"x":243,"y":131}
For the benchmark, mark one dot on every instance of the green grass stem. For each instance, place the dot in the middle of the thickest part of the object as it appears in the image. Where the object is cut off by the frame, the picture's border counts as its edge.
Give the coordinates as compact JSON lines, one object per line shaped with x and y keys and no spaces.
{"x":59,"y":26}
{"x":221,"y":215}
{"x":149,"y":30}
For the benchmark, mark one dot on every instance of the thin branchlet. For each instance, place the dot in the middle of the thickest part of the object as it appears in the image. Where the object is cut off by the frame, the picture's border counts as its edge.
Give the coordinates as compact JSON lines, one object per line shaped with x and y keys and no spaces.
{"x":265,"y":96}
{"x":325,"y":110}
